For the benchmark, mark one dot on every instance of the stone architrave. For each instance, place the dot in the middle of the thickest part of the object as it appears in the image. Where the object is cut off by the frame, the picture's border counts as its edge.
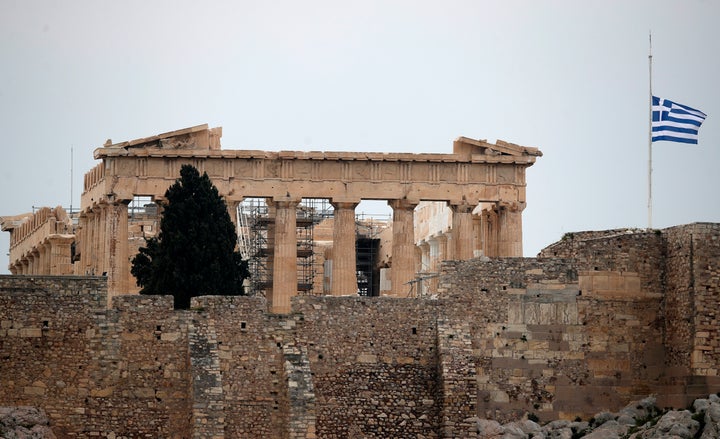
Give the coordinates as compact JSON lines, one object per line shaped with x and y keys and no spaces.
{"x":344,"y":270}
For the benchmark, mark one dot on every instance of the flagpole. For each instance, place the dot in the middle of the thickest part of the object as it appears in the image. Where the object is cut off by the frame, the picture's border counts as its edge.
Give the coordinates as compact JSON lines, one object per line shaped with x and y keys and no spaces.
{"x":650,"y":136}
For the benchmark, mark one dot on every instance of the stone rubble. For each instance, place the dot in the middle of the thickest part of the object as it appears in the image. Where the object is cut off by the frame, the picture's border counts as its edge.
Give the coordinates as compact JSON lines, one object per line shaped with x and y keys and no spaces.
{"x":24,"y":423}
{"x":638,"y":420}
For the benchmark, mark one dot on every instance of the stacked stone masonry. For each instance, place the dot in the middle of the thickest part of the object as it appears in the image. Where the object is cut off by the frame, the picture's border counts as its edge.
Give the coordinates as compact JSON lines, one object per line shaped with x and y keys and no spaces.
{"x":597,"y":320}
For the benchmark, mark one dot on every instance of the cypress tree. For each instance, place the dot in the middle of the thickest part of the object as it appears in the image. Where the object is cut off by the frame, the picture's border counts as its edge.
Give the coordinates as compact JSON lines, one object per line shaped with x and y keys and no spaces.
{"x":194,"y":251}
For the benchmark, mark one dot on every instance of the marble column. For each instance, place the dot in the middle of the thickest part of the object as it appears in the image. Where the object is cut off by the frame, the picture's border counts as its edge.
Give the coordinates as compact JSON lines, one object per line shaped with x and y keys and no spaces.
{"x":403,"y":247}
{"x":46,"y":257}
{"x":425,"y":262}
{"x":232,"y":207}
{"x":41,"y":258}
{"x":425,"y":268}
{"x":489,"y":231}
{"x":100,"y":264}
{"x":510,"y":230}
{"x":24,"y":266}
{"x":462,"y":230}
{"x":344,"y":268}
{"x":117,"y":262}
{"x":34,"y":261}
{"x":284,"y":260}
{"x":477,"y":236}
{"x":434,"y":263}
{"x":87,"y":224}
{"x":60,"y":257}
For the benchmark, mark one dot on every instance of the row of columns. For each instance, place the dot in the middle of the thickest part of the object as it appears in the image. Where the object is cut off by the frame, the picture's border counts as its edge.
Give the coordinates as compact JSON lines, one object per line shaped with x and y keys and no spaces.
{"x":51,"y":257}
{"x":496,"y":232}
{"x":104,"y":231}
{"x":506,"y":226}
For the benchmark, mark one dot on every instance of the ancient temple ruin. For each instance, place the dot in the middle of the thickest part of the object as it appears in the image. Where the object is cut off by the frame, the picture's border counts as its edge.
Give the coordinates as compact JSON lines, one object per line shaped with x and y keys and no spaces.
{"x":482,"y":184}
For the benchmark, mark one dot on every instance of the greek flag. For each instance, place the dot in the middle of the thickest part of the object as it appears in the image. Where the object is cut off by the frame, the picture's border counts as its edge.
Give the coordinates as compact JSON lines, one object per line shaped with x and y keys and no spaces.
{"x":675,"y":122}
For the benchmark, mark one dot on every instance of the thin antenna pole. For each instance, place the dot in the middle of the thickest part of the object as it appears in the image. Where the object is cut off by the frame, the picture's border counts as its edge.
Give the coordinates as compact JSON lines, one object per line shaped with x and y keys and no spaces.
{"x":650,"y":109}
{"x":71,"y":178}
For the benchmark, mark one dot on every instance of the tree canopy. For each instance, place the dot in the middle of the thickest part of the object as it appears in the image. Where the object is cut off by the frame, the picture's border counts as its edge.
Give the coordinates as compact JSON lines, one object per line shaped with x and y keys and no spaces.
{"x":194,"y":252}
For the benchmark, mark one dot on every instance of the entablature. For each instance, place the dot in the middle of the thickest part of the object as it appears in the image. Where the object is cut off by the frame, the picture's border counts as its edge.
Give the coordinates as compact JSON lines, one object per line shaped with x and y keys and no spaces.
{"x":476,"y":171}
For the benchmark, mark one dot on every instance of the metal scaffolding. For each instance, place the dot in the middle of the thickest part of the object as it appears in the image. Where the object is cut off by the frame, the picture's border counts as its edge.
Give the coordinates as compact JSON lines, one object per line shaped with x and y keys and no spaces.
{"x":256,"y":221}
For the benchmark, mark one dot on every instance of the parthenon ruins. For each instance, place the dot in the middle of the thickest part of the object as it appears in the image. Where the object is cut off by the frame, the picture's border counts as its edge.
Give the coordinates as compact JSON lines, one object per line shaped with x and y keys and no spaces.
{"x":483,"y":185}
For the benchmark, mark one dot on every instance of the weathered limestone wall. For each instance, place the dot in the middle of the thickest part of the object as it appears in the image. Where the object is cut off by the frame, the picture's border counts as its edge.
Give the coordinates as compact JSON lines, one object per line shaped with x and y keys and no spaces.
{"x":681,"y":264}
{"x":46,"y":334}
{"x":374,"y":362}
{"x":614,"y":319}
{"x":250,"y":353}
{"x":543,"y":346}
{"x":691,"y":323}
{"x":620,"y":251}
{"x":93,"y":370}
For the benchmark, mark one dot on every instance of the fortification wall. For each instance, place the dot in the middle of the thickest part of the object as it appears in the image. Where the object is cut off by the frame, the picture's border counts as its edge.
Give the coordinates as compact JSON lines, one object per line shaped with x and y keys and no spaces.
{"x":374,"y":362}
{"x":123,"y":370}
{"x":691,"y":302}
{"x":543,"y":346}
{"x":249,"y":347}
{"x":617,"y":318}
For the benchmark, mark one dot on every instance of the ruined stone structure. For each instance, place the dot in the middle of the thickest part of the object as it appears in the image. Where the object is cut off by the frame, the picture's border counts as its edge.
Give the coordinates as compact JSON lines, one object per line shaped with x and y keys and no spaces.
{"x":597,"y":320}
{"x":476,"y":172}
{"x":40,"y":242}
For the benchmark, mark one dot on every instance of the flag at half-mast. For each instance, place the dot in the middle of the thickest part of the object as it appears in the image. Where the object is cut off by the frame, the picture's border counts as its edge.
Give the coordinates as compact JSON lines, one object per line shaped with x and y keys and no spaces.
{"x":675,"y":122}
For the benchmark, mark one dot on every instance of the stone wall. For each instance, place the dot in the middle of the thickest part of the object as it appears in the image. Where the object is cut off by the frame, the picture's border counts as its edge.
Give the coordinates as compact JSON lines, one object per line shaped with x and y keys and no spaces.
{"x":597,"y":319}
{"x":91,"y":369}
{"x":250,"y":354}
{"x":691,"y":304}
{"x":613,"y":317}
{"x":374,"y":362}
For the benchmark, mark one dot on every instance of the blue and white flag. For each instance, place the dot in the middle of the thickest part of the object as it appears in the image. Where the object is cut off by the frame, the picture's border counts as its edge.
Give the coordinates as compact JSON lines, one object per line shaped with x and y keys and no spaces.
{"x":675,"y":122}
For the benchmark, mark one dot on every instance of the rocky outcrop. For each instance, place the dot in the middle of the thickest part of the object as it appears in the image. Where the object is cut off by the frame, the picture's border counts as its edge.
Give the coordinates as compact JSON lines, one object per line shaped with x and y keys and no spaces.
{"x":24,"y":423}
{"x":638,"y":420}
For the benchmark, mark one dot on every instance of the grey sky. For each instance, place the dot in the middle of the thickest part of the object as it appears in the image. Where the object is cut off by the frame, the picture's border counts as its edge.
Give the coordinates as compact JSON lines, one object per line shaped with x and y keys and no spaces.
{"x":568,"y":77}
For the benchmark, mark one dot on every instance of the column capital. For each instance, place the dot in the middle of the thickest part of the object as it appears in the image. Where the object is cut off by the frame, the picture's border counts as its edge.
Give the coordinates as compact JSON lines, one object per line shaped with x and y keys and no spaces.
{"x":403,"y":204}
{"x":462,"y":207}
{"x":441,"y":238}
{"x":59,"y":239}
{"x":344,"y":203}
{"x":512,"y":206}
{"x":114,"y":199}
{"x":286,"y":201}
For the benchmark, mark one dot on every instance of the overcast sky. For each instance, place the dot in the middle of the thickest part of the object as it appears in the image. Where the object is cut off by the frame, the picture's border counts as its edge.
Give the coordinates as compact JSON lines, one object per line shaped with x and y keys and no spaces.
{"x":569,"y":77}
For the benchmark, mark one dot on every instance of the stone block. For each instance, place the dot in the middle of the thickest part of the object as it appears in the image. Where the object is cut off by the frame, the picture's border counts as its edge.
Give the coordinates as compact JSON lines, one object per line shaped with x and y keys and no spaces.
{"x":170,"y":336}
{"x":499,"y":396}
{"x":30,"y":332}
{"x":34,"y":390}
{"x":534,"y":271}
{"x":367,"y":358}
{"x":102,"y":393}
{"x":144,"y":392}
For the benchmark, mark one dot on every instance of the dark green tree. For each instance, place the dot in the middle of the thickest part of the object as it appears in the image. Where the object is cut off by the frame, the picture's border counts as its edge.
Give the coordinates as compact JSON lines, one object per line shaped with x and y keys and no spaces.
{"x":194,"y":251}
